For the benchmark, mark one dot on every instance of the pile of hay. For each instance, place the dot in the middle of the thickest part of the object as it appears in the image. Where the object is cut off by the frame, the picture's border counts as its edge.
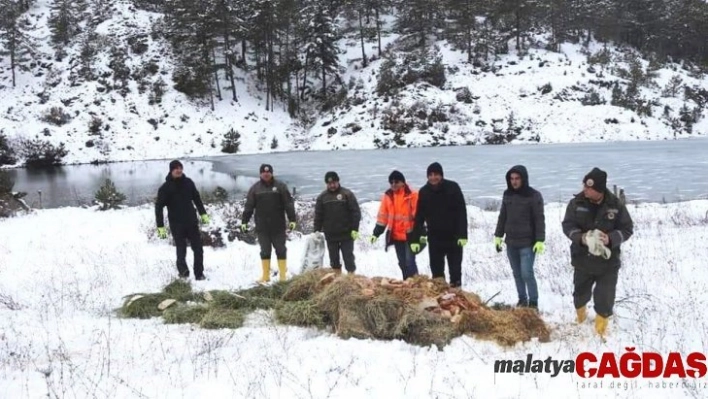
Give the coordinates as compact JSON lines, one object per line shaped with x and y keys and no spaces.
{"x":420,"y":310}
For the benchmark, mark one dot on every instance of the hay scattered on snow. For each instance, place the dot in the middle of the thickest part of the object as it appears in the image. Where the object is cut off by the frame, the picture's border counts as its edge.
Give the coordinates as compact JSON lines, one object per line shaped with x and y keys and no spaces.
{"x":223,"y":318}
{"x":185,"y":314}
{"x":420,"y":310}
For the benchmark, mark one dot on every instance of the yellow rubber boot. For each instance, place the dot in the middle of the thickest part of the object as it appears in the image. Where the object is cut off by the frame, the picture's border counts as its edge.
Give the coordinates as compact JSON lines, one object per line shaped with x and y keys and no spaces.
{"x":282,"y":269}
{"x":265,"y":264}
{"x":582,"y":314}
{"x":601,"y":325}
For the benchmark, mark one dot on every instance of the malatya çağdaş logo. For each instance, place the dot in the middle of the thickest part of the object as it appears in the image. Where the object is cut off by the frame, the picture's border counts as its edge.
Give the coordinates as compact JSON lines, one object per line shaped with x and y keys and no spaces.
{"x":610,"y":365}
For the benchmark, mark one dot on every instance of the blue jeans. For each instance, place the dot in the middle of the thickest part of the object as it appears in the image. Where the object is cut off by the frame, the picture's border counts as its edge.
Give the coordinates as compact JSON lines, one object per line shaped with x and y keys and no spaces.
{"x":406,"y":259}
{"x":521,"y":260}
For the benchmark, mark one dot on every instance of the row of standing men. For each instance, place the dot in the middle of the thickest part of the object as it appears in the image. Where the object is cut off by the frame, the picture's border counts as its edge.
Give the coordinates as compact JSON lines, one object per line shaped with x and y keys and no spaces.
{"x":595,"y":221}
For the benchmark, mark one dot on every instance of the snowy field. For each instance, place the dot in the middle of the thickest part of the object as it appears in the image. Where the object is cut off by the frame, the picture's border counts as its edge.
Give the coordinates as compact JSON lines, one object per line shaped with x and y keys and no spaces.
{"x":64,"y":271}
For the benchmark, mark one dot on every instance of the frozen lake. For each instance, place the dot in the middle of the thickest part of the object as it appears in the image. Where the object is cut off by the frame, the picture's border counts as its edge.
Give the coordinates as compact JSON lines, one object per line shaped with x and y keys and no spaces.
{"x":648,"y":171}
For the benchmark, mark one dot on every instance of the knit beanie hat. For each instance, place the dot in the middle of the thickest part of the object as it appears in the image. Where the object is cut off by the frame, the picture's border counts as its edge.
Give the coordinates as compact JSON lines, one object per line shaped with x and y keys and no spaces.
{"x":331,"y":176}
{"x":265,"y":168}
{"x":596,"y":179}
{"x":396,"y":176}
{"x":435,"y":168}
{"x":175,"y":165}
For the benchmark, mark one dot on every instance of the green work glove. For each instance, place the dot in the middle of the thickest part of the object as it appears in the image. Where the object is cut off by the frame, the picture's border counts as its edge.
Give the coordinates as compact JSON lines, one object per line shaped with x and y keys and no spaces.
{"x":373,"y":239}
{"x":539,"y":247}
{"x":161,"y":232}
{"x":462,"y":242}
{"x":292,"y":225}
{"x":415,"y":248}
{"x":205,"y":219}
{"x":355,"y":235}
{"x":423,"y":239}
{"x":498,"y":242}
{"x":244,"y":228}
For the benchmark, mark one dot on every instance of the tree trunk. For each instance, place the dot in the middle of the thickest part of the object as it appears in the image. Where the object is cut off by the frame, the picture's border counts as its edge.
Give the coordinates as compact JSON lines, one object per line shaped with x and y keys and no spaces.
{"x":216,"y":74}
{"x":378,"y":30}
{"x":13,"y":49}
{"x":364,"y":63}
{"x":228,"y":57}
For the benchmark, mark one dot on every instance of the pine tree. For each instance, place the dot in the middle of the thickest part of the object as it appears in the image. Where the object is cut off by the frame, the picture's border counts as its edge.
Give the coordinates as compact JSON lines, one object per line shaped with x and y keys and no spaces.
{"x":419,"y":18}
{"x":321,"y":45}
{"x":64,"y":21}
{"x":16,"y":42}
{"x":462,"y":14}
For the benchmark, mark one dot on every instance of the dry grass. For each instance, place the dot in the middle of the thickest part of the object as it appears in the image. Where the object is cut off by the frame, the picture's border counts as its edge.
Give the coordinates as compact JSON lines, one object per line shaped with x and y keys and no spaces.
{"x":421,"y":311}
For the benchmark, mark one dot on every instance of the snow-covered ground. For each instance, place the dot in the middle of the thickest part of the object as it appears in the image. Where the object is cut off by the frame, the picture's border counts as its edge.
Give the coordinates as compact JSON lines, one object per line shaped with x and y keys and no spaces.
{"x":507,"y":97}
{"x":64,"y":271}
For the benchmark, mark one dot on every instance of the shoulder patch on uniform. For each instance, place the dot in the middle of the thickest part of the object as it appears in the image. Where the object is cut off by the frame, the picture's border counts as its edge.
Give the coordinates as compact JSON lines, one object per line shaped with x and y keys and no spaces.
{"x":611,"y":213}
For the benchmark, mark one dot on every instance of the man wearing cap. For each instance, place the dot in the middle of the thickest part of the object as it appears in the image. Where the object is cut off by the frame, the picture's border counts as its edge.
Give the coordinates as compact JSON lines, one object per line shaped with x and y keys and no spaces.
{"x":337,"y":215}
{"x":441,"y":207}
{"x":177,"y":193}
{"x":397,"y":214}
{"x":596,"y":212}
{"x":521,"y":222}
{"x":271,"y":200}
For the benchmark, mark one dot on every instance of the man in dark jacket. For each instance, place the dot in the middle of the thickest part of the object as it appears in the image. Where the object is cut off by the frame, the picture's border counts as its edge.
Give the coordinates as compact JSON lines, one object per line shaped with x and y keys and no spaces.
{"x":177,"y":194}
{"x":271,"y":200}
{"x":521,"y":219}
{"x":596,"y":208}
{"x":337,"y":215}
{"x":441,"y":207}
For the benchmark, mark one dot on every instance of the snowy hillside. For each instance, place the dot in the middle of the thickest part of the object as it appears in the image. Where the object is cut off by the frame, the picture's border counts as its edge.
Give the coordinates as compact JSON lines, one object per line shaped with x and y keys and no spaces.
{"x":59,"y":336}
{"x":97,"y":122}
{"x":545,"y":97}
{"x":130,"y":109}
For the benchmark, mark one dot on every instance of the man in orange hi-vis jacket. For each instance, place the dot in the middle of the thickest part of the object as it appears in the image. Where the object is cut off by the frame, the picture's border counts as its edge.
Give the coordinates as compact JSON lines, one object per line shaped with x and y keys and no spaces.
{"x":397,"y":213}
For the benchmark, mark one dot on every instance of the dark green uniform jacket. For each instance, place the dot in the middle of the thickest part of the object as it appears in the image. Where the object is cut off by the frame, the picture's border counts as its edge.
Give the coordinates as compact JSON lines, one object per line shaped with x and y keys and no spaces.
{"x":337,"y":213}
{"x":610,"y":216}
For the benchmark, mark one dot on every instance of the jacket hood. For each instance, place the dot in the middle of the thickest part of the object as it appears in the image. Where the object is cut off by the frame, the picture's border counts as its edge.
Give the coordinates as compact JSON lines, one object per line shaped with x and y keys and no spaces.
{"x":520,"y":169}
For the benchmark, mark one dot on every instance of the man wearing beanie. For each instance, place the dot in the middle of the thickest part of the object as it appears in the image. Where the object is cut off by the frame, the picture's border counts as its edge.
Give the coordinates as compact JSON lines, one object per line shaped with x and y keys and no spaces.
{"x":271,"y":201}
{"x":337,"y":215}
{"x":522,"y":223}
{"x":596,"y":212}
{"x":397,"y":214}
{"x":178,"y":193}
{"x":442,"y":209}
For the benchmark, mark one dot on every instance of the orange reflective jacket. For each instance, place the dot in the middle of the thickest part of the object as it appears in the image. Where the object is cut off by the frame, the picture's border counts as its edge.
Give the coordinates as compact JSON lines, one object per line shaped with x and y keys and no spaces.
{"x":397,"y":212}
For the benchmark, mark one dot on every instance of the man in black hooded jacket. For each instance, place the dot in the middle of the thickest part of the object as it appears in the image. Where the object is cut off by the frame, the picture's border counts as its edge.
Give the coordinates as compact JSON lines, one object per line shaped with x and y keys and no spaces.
{"x":177,"y":193}
{"x":521,"y":219}
{"x":441,"y":207}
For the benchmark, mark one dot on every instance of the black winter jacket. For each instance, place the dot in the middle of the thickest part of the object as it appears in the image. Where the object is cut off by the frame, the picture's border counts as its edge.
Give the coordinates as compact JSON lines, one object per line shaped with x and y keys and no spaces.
{"x":610,"y":216}
{"x":521,"y":217}
{"x":443,"y":210}
{"x":177,"y":195}
{"x":337,"y":213}
{"x":271,"y":202}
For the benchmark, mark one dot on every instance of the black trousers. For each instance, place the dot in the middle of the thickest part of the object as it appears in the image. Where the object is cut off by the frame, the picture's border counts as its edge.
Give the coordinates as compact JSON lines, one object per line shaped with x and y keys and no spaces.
{"x":182,"y":233}
{"x":438,"y":251}
{"x":603,"y":293}
{"x":346,"y":247}
{"x":272,"y":239}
